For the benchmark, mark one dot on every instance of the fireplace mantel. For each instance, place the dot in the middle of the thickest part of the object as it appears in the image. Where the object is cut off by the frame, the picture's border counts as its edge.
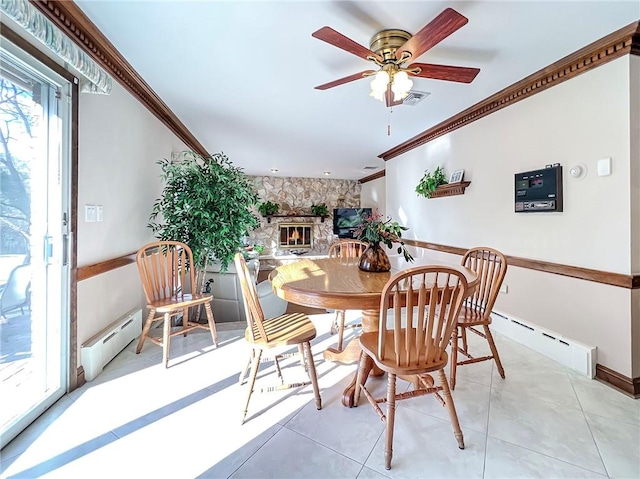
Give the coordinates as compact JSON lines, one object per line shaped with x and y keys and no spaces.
{"x":295,"y":216}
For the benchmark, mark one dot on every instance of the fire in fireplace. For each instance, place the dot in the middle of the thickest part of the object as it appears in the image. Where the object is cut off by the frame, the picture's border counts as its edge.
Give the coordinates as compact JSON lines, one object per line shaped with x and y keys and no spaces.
{"x":296,"y":235}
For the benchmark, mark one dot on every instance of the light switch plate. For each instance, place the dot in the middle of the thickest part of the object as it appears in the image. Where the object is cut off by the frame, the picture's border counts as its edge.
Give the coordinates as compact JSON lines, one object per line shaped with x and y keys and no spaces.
{"x":604,"y":167}
{"x":90,"y":213}
{"x":99,"y":211}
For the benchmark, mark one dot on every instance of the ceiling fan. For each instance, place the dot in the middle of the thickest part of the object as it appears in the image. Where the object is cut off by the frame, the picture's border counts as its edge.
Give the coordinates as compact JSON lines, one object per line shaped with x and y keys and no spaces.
{"x":390,"y":49}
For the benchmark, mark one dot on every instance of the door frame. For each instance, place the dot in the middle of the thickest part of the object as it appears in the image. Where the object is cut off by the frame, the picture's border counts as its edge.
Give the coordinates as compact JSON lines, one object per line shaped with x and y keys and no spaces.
{"x":75,"y":374}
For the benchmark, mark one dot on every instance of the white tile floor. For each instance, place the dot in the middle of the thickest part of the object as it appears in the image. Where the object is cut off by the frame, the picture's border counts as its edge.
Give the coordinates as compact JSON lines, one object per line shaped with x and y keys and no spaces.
{"x":137,"y":419}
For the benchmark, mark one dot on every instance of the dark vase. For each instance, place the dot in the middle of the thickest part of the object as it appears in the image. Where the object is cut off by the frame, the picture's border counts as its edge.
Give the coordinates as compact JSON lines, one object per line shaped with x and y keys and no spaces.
{"x":374,"y":259}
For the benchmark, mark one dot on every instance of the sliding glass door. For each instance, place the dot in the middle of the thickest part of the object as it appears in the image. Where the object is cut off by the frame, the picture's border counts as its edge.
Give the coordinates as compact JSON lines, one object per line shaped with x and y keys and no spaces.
{"x":34,"y":246}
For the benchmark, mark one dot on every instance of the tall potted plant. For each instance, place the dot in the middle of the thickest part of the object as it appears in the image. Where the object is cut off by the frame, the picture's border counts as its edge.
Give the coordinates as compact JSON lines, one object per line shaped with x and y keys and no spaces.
{"x":205,"y":204}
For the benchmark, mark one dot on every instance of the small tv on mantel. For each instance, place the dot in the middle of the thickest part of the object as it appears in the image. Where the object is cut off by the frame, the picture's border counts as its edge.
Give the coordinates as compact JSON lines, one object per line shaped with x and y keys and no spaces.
{"x":346,"y":220}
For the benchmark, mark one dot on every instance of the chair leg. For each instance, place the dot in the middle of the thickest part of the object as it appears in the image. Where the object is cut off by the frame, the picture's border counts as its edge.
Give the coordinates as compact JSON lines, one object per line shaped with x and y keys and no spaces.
{"x":243,"y":373}
{"x":185,"y":321}
{"x":451,"y":408}
{"x":145,"y":330}
{"x":303,"y":361}
{"x":391,"y":417}
{"x":252,"y":379}
{"x":454,"y":356}
{"x":361,"y":377}
{"x":463,"y":333}
{"x":312,"y":374}
{"x":334,"y":323}
{"x":212,"y":324}
{"x":494,"y":350}
{"x":340,"y":319}
{"x":166,"y":338}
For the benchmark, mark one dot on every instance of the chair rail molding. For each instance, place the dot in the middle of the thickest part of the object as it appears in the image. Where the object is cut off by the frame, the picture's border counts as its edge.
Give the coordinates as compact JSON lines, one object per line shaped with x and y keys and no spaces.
{"x":89,"y":271}
{"x":629,"y":281}
{"x":621,"y":42}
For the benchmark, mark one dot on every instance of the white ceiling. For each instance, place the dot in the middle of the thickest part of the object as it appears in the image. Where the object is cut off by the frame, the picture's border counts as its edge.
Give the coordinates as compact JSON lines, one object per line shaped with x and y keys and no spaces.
{"x":241,"y":75}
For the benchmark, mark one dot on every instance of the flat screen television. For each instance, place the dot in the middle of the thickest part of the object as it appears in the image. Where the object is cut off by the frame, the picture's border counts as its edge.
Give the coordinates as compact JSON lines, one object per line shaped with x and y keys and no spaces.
{"x":346,"y":220}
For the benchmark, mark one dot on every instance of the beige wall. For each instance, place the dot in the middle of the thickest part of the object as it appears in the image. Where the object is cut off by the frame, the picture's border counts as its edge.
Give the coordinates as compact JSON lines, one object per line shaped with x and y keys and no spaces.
{"x":373,"y":195}
{"x":577,"y":122}
{"x":634,"y":176}
{"x":119,"y":143}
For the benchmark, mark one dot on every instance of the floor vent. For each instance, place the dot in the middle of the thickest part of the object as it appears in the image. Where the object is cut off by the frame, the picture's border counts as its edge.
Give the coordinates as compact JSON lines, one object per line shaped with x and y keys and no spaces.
{"x":414,"y":97}
{"x":579,"y":357}
{"x":104,"y":346}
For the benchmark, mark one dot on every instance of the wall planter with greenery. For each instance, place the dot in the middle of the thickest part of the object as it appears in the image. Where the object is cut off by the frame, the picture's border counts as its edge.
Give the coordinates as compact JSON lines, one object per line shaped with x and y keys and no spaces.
{"x":268,"y":208}
{"x":206,"y":204}
{"x":435,"y":185}
{"x":431,"y":181}
{"x":320,"y":209}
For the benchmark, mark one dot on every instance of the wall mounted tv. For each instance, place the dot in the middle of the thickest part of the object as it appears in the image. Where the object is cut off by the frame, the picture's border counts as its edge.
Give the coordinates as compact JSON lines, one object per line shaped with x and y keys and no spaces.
{"x":346,"y":220}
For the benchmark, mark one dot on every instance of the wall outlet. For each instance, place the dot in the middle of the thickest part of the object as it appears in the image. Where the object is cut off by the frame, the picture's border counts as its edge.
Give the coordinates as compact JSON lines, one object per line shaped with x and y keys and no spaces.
{"x":504,"y":289}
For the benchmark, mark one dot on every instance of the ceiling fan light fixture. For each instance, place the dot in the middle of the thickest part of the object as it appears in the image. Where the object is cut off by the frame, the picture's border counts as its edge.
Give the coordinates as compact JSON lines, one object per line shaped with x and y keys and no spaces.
{"x":401,"y":85}
{"x":379,"y":85}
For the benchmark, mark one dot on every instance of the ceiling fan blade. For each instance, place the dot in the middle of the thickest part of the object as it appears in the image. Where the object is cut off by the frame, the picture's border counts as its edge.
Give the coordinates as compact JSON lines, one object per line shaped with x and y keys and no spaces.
{"x":388,"y":97}
{"x":341,"y":81}
{"x":445,"y":72}
{"x":329,"y":35}
{"x":433,"y":33}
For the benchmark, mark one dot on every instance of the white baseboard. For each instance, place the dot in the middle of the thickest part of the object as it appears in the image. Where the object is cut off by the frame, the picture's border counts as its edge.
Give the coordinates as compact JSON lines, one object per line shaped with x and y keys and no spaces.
{"x":579,"y":357}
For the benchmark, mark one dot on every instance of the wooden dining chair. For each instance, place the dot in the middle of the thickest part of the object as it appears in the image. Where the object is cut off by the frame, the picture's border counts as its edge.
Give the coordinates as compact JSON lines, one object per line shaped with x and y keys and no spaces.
{"x":491,"y":266}
{"x":271,"y":334}
{"x":347,"y":250}
{"x":418,"y":312}
{"x":167,"y":274}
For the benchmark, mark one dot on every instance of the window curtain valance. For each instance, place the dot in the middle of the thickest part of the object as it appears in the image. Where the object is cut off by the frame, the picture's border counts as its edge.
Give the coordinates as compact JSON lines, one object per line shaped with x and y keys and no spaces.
{"x":94,"y":79}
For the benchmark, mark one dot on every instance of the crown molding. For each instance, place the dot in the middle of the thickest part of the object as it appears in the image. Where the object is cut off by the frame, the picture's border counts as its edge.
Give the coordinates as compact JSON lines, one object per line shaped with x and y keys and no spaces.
{"x":375,"y":176}
{"x":621,"y":42}
{"x":68,"y":17}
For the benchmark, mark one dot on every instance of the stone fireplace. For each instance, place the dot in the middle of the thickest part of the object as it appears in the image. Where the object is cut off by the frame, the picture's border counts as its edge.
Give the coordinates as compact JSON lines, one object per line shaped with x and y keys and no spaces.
{"x":295,"y":236}
{"x":295,"y":197}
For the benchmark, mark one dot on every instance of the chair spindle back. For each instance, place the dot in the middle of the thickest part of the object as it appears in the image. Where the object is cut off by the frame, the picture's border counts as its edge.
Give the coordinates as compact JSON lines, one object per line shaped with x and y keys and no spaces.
{"x":424,"y":303}
{"x":165,"y":269}
{"x":252,"y":308}
{"x":491,"y":267}
{"x":347,"y":249}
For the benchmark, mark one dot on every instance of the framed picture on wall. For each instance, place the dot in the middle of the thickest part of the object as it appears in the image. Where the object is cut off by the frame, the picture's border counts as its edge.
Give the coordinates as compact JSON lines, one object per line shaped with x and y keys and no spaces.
{"x":456,"y":176}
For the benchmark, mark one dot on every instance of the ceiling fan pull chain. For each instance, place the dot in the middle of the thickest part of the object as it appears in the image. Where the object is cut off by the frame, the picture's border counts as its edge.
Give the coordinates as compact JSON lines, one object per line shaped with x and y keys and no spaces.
{"x":389,"y":121}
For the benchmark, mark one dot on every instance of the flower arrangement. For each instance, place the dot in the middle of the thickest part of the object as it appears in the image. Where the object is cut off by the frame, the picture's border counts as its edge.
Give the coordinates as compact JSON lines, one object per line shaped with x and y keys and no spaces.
{"x":374,"y":230}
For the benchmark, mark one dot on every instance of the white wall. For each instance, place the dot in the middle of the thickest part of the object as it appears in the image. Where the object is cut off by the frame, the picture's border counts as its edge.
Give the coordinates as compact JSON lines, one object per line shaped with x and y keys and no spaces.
{"x":577,"y":122}
{"x":374,"y":195}
{"x":119,"y":142}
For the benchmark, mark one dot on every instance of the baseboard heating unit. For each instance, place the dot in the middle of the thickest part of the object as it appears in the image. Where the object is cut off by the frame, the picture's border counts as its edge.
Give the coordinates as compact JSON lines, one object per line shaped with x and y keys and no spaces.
{"x":104,"y":346}
{"x":579,"y":357}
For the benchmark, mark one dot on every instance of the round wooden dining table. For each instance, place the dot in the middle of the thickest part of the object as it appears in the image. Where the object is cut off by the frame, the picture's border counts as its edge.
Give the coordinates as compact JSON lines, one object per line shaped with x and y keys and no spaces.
{"x":337,"y":283}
